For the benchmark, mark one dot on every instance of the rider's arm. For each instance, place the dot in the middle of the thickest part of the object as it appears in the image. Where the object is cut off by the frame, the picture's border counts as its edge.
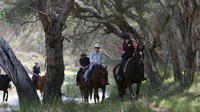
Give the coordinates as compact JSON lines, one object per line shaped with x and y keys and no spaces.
{"x":135,"y":44}
{"x":102,"y":58}
{"x":91,"y":58}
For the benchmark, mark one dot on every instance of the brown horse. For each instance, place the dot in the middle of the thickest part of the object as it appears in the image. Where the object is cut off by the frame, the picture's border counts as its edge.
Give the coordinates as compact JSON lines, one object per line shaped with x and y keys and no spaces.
{"x":98,"y":80}
{"x":134,"y":73}
{"x":41,"y":84}
{"x":85,"y":88}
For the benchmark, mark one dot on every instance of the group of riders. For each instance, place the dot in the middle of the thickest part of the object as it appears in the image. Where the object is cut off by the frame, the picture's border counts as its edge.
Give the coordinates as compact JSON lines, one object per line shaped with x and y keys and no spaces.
{"x":128,"y":48}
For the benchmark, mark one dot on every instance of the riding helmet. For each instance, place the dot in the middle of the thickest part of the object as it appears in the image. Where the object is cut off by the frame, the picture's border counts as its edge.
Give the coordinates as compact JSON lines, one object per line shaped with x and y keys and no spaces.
{"x":125,"y":36}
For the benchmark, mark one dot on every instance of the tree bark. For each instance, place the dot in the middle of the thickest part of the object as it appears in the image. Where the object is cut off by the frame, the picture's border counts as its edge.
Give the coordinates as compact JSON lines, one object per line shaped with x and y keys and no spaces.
{"x":150,"y":65}
{"x":174,"y":51}
{"x":185,"y":22}
{"x":13,"y":67}
{"x":55,"y":67}
{"x":53,"y":22}
{"x":190,"y":68}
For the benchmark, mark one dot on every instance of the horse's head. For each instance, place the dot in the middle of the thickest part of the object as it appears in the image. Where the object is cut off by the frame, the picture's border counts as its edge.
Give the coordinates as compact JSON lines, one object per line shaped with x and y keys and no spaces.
{"x":139,"y":55}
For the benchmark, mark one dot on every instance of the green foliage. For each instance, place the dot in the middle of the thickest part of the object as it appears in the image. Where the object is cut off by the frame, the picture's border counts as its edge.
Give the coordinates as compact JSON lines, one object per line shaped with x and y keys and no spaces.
{"x":16,"y":11}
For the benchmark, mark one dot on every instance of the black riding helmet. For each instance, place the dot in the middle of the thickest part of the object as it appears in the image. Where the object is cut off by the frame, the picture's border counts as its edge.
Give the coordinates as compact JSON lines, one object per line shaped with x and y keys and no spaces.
{"x":125,"y":36}
{"x":83,"y":54}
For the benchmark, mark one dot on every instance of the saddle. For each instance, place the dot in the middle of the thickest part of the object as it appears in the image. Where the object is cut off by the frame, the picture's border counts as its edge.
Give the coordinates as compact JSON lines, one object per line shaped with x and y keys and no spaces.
{"x":124,"y":66}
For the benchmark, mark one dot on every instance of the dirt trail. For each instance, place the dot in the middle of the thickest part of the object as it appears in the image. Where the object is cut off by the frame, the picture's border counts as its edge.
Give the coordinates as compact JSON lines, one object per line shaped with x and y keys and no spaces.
{"x":13,"y":102}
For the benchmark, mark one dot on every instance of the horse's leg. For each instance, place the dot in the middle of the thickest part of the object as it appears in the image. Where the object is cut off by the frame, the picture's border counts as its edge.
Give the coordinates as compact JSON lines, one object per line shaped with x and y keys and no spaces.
{"x":6,"y":95}
{"x":103,"y":93}
{"x":96,"y":95}
{"x":91,"y":90}
{"x":84,"y":96}
{"x":120,"y":91}
{"x":138,"y":90}
{"x":81,"y":94}
{"x":87,"y":95}
{"x":131,"y":91}
{"x":41,"y":93}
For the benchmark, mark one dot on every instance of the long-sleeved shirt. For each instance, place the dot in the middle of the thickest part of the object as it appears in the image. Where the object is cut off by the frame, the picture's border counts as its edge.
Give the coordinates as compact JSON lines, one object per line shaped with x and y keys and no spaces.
{"x":36,"y":70}
{"x":134,"y":44}
{"x":96,"y":57}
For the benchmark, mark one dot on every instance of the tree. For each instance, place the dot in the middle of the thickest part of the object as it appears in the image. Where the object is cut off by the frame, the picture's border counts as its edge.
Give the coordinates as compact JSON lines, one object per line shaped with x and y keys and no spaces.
{"x":184,"y":17}
{"x":15,"y":70}
{"x":52,"y":14}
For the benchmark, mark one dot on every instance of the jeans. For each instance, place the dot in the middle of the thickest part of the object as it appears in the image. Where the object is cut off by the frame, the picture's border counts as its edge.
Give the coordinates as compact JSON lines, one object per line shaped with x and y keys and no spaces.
{"x":121,"y":67}
{"x":34,"y":80}
{"x":79,"y":75}
{"x":88,"y":72}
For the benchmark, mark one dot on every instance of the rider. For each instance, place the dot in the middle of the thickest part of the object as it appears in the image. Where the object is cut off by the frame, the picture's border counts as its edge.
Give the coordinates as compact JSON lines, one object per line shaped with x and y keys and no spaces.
{"x":36,"y":72}
{"x":96,"y":58}
{"x":128,"y":48}
{"x":84,"y":64}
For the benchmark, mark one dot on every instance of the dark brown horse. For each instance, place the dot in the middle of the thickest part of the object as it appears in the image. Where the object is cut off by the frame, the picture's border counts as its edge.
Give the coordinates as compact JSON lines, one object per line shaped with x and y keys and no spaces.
{"x":85,"y":88}
{"x":4,"y":85}
{"x":41,"y":84}
{"x":134,"y":73}
{"x":98,"y":80}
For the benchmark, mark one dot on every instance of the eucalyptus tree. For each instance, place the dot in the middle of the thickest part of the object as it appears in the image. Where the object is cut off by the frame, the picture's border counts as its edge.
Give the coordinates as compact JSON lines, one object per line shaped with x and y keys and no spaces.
{"x":52,"y":14}
{"x":183,"y":29}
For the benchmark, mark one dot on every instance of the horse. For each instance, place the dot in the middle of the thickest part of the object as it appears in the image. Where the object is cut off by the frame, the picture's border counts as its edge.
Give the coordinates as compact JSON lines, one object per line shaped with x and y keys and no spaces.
{"x":41,"y":84}
{"x":4,"y":85}
{"x":98,"y":80}
{"x":133,"y":74}
{"x":85,"y":88}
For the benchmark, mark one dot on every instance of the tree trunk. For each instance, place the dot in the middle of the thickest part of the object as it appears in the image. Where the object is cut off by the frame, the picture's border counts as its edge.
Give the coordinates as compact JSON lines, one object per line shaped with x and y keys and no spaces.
{"x":185,"y":22}
{"x":174,"y":51}
{"x":53,"y":22}
{"x":150,"y":65}
{"x":13,"y":67}
{"x":55,"y":65}
{"x":190,"y":68}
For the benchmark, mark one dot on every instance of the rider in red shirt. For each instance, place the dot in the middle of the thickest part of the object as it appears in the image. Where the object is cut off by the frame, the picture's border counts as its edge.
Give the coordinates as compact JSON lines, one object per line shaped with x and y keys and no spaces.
{"x":128,"y":48}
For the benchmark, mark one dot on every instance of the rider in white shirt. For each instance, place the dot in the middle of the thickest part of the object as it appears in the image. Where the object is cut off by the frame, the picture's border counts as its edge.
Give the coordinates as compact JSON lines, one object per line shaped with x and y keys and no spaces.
{"x":96,"y":58}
